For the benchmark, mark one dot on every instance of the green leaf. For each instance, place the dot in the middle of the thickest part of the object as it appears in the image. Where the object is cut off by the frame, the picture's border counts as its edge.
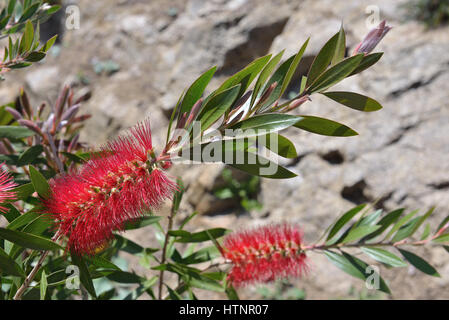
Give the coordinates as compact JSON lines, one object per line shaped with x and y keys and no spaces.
{"x":370,"y":219}
{"x":27,"y":38}
{"x":202,"y":255}
{"x":24,"y":191}
{"x":385,"y":222}
{"x":39,"y":182}
{"x":292,"y":68}
{"x":177,"y":197}
{"x":28,"y":240}
{"x":324,"y":127}
{"x":354,"y":100}
{"x":85,"y":277}
{"x":283,"y":147}
{"x":340,"y":47}
{"x":323,"y":59}
{"x":267,"y":123}
{"x":30,"y":155}
{"x":11,"y":214}
{"x":384,"y":256}
{"x":35,"y":56}
{"x":125,"y":277}
{"x":367,"y":62}
{"x":14,"y":132}
{"x":264,"y":168}
{"x":202,"y":282}
{"x":48,"y":44}
{"x":142,"y":222}
{"x":101,"y":262}
{"x":359,"y":232}
{"x":409,"y":229}
{"x":419,"y":263}
{"x":8,"y":266}
{"x":278,"y":77}
{"x":121,"y":243}
{"x":354,"y":267}
{"x":335,"y":74}
{"x":400,"y":223}
{"x":341,"y":222}
{"x":196,"y":90}
{"x":43,"y":285}
{"x":245,"y":76}
{"x":217,"y":106}
{"x":426,"y":232}
{"x":187,"y":237}
{"x":264,"y":76}
{"x":23,"y":219}
{"x":29,"y":12}
{"x":442,"y":239}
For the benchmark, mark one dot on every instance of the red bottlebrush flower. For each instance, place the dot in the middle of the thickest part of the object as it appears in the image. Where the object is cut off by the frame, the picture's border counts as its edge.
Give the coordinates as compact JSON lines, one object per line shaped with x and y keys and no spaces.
{"x":264,"y":254}
{"x":117,"y":185}
{"x":6,"y":185}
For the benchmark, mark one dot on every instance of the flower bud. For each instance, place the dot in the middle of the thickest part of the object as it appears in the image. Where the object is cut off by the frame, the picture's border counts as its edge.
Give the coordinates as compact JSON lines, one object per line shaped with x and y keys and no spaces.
{"x":372,"y":38}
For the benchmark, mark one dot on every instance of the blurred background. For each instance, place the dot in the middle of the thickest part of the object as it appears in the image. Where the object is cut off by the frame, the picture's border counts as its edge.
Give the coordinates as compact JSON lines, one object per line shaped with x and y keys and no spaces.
{"x":137,"y":56}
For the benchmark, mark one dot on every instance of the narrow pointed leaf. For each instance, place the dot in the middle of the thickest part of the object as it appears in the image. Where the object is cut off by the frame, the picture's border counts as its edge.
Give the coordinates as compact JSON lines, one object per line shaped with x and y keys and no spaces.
{"x":384,"y":256}
{"x":196,"y":90}
{"x":324,"y":127}
{"x":354,"y":100}
{"x":323,"y":59}
{"x":419,"y":263}
{"x":335,"y":74}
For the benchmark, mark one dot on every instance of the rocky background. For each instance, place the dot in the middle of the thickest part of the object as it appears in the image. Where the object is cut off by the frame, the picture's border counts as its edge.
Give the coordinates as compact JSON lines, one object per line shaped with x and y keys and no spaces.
{"x":136,"y":56}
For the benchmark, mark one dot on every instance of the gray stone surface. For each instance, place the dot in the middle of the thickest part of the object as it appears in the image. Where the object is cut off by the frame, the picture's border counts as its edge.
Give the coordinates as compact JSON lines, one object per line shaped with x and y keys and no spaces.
{"x":400,"y":158}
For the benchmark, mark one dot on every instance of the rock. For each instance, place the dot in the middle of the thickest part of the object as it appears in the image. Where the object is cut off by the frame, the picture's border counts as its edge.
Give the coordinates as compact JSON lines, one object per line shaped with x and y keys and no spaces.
{"x":42,"y":80}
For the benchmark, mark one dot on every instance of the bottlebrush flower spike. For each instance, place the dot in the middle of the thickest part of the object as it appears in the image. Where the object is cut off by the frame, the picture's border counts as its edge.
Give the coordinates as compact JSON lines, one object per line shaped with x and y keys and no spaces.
{"x":6,"y":185}
{"x":118,"y":184}
{"x":264,"y":254}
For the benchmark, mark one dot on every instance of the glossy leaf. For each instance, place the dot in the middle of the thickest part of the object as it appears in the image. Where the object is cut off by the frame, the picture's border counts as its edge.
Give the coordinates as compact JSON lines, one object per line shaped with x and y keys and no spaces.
{"x":322,"y":59}
{"x":8,"y":266}
{"x":28,"y":240}
{"x":15,"y":132}
{"x":385,"y":222}
{"x":264,"y":123}
{"x":187,"y":237}
{"x":39,"y":182}
{"x":142,"y":222}
{"x":354,"y":100}
{"x":283,"y":147}
{"x":354,"y":267}
{"x":266,"y":72}
{"x":196,"y":90}
{"x":419,"y":263}
{"x":367,"y":62}
{"x":342,"y":221}
{"x":340,"y":47}
{"x":43,"y":285}
{"x":217,"y":106}
{"x":324,"y":127}
{"x":384,"y":256}
{"x":292,"y":68}
{"x":359,"y":232}
{"x":30,"y":155}
{"x":335,"y":74}
{"x":85,"y":277}
{"x":245,"y":76}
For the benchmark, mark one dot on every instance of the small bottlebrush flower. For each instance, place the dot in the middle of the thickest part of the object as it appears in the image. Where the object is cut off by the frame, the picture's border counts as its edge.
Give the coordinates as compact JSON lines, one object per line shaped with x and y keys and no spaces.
{"x":264,"y":254}
{"x":372,"y":38}
{"x":6,"y":185}
{"x":117,"y":185}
